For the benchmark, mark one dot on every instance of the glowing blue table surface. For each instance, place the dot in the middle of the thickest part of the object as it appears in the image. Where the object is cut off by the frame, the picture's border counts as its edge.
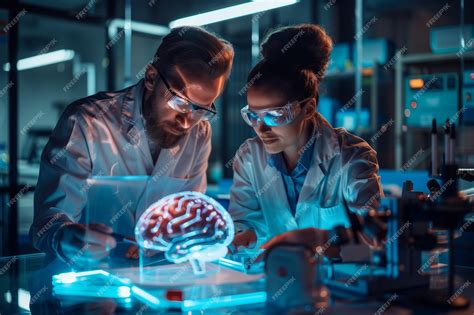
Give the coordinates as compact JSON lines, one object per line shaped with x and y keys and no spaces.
{"x":26,"y":286}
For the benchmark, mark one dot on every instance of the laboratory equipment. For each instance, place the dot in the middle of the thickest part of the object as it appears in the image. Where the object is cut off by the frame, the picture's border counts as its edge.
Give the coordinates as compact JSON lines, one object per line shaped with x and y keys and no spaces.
{"x":349,"y":119}
{"x":445,"y":39}
{"x":430,"y":96}
{"x":410,"y":224}
{"x":468,"y":97}
{"x":375,"y":51}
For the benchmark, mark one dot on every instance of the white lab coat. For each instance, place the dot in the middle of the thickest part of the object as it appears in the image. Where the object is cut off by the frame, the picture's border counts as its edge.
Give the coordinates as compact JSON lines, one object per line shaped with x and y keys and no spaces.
{"x":103,"y":135}
{"x":343,"y":167}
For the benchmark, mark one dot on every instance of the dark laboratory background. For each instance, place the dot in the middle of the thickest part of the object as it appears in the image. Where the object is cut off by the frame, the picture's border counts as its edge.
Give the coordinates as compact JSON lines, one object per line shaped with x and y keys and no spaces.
{"x":385,"y":53}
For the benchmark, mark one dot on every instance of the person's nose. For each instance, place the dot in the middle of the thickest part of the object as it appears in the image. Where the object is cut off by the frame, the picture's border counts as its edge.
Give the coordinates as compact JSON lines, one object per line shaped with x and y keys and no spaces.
{"x":184,"y":120}
{"x":261,"y":127}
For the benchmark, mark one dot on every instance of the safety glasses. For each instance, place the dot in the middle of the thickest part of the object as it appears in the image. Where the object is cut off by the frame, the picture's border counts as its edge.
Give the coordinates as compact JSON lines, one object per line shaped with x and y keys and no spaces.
{"x":184,"y":106}
{"x":272,"y":117}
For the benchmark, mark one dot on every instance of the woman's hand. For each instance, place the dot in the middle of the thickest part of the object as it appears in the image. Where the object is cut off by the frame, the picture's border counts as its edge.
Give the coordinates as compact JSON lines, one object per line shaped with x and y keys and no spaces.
{"x":244,"y":239}
{"x":314,"y":238}
{"x":310,"y":236}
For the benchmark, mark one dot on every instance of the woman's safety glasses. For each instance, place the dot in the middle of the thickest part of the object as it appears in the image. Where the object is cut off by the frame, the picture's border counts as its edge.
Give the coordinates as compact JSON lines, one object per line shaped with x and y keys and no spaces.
{"x":272,"y":117}
{"x":184,"y":106}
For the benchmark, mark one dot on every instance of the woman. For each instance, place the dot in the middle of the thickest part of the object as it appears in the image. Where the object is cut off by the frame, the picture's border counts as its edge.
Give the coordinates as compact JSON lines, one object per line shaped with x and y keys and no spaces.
{"x":299,"y":174}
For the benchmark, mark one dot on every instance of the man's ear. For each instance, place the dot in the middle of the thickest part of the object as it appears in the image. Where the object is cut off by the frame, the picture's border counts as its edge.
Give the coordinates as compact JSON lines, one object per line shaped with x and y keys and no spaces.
{"x":151,"y":76}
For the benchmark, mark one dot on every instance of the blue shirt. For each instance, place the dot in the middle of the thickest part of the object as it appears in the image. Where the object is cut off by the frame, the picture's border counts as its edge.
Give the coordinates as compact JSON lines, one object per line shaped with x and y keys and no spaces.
{"x":293,"y":181}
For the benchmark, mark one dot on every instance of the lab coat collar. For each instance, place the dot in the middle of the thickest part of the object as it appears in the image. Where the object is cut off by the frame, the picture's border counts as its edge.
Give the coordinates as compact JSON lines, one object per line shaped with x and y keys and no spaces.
{"x":327,"y":143}
{"x":132,"y":104}
{"x":325,"y":146}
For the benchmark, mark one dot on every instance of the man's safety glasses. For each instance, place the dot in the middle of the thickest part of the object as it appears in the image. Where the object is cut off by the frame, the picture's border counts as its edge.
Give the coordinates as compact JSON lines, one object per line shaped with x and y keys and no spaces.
{"x":184,"y":106}
{"x":272,"y":117}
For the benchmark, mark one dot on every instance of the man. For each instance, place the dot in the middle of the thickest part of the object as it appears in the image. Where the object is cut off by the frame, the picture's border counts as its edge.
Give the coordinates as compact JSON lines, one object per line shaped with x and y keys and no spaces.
{"x":159,"y":127}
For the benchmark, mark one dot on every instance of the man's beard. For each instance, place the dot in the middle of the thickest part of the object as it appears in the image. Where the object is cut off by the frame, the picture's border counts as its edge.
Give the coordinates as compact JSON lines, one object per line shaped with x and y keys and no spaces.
{"x":156,"y":131}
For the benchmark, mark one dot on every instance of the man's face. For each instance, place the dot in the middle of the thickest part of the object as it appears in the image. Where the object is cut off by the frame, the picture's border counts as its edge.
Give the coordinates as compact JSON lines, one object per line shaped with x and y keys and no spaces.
{"x":164,"y":125}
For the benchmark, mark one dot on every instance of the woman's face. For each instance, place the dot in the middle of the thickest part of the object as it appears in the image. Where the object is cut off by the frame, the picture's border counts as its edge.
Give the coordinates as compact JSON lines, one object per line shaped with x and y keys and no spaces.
{"x":280,"y":138}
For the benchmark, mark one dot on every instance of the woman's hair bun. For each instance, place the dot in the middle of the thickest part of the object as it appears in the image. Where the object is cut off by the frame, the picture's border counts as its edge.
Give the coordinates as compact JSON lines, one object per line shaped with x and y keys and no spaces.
{"x":299,"y":47}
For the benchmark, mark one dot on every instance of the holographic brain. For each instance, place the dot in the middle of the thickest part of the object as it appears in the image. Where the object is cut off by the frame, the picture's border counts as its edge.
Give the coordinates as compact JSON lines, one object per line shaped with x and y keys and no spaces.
{"x":186,"y":226}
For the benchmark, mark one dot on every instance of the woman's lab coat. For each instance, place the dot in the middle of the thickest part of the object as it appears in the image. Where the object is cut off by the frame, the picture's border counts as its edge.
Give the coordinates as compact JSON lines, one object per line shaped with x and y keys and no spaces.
{"x":344,"y":170}
{"x":103,"y":135}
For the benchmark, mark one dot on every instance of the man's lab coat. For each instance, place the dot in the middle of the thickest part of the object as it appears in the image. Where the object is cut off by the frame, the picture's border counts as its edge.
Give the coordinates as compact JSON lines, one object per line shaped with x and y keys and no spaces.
{"x":103,"y":135}
{"x":344,"y":171}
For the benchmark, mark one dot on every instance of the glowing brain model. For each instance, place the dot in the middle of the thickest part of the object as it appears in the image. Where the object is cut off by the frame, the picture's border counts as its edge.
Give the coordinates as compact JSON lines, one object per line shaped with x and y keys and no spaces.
{"x":187,"y":226}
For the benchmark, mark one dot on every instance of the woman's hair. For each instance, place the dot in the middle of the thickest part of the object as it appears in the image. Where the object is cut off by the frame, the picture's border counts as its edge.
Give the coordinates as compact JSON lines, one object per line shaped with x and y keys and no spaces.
{"x":295,"y":59}
{"x":196,"y":50}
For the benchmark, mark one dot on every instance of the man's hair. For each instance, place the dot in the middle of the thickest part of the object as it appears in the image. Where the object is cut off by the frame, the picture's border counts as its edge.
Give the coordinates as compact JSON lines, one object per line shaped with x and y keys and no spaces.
{"x":196,"y":50}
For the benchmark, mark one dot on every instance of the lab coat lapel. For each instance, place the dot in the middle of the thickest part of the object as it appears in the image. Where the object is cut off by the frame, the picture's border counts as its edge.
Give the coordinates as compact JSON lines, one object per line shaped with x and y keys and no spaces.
{"x":325,"y":148}
{"x":273,"y":191}
{"x":132,"y":124}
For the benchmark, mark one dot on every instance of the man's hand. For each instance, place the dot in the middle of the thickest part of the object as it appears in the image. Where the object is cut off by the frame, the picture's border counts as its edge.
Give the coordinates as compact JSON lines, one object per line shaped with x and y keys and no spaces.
{"x":133,"y":252}
{"x":81,"y":243}
{"x":245,"y":239}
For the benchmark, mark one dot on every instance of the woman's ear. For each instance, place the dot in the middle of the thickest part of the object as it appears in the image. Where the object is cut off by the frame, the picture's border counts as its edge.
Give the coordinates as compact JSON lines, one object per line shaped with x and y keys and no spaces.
{"x":310,"y":108}
{"x":150,"y":77}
